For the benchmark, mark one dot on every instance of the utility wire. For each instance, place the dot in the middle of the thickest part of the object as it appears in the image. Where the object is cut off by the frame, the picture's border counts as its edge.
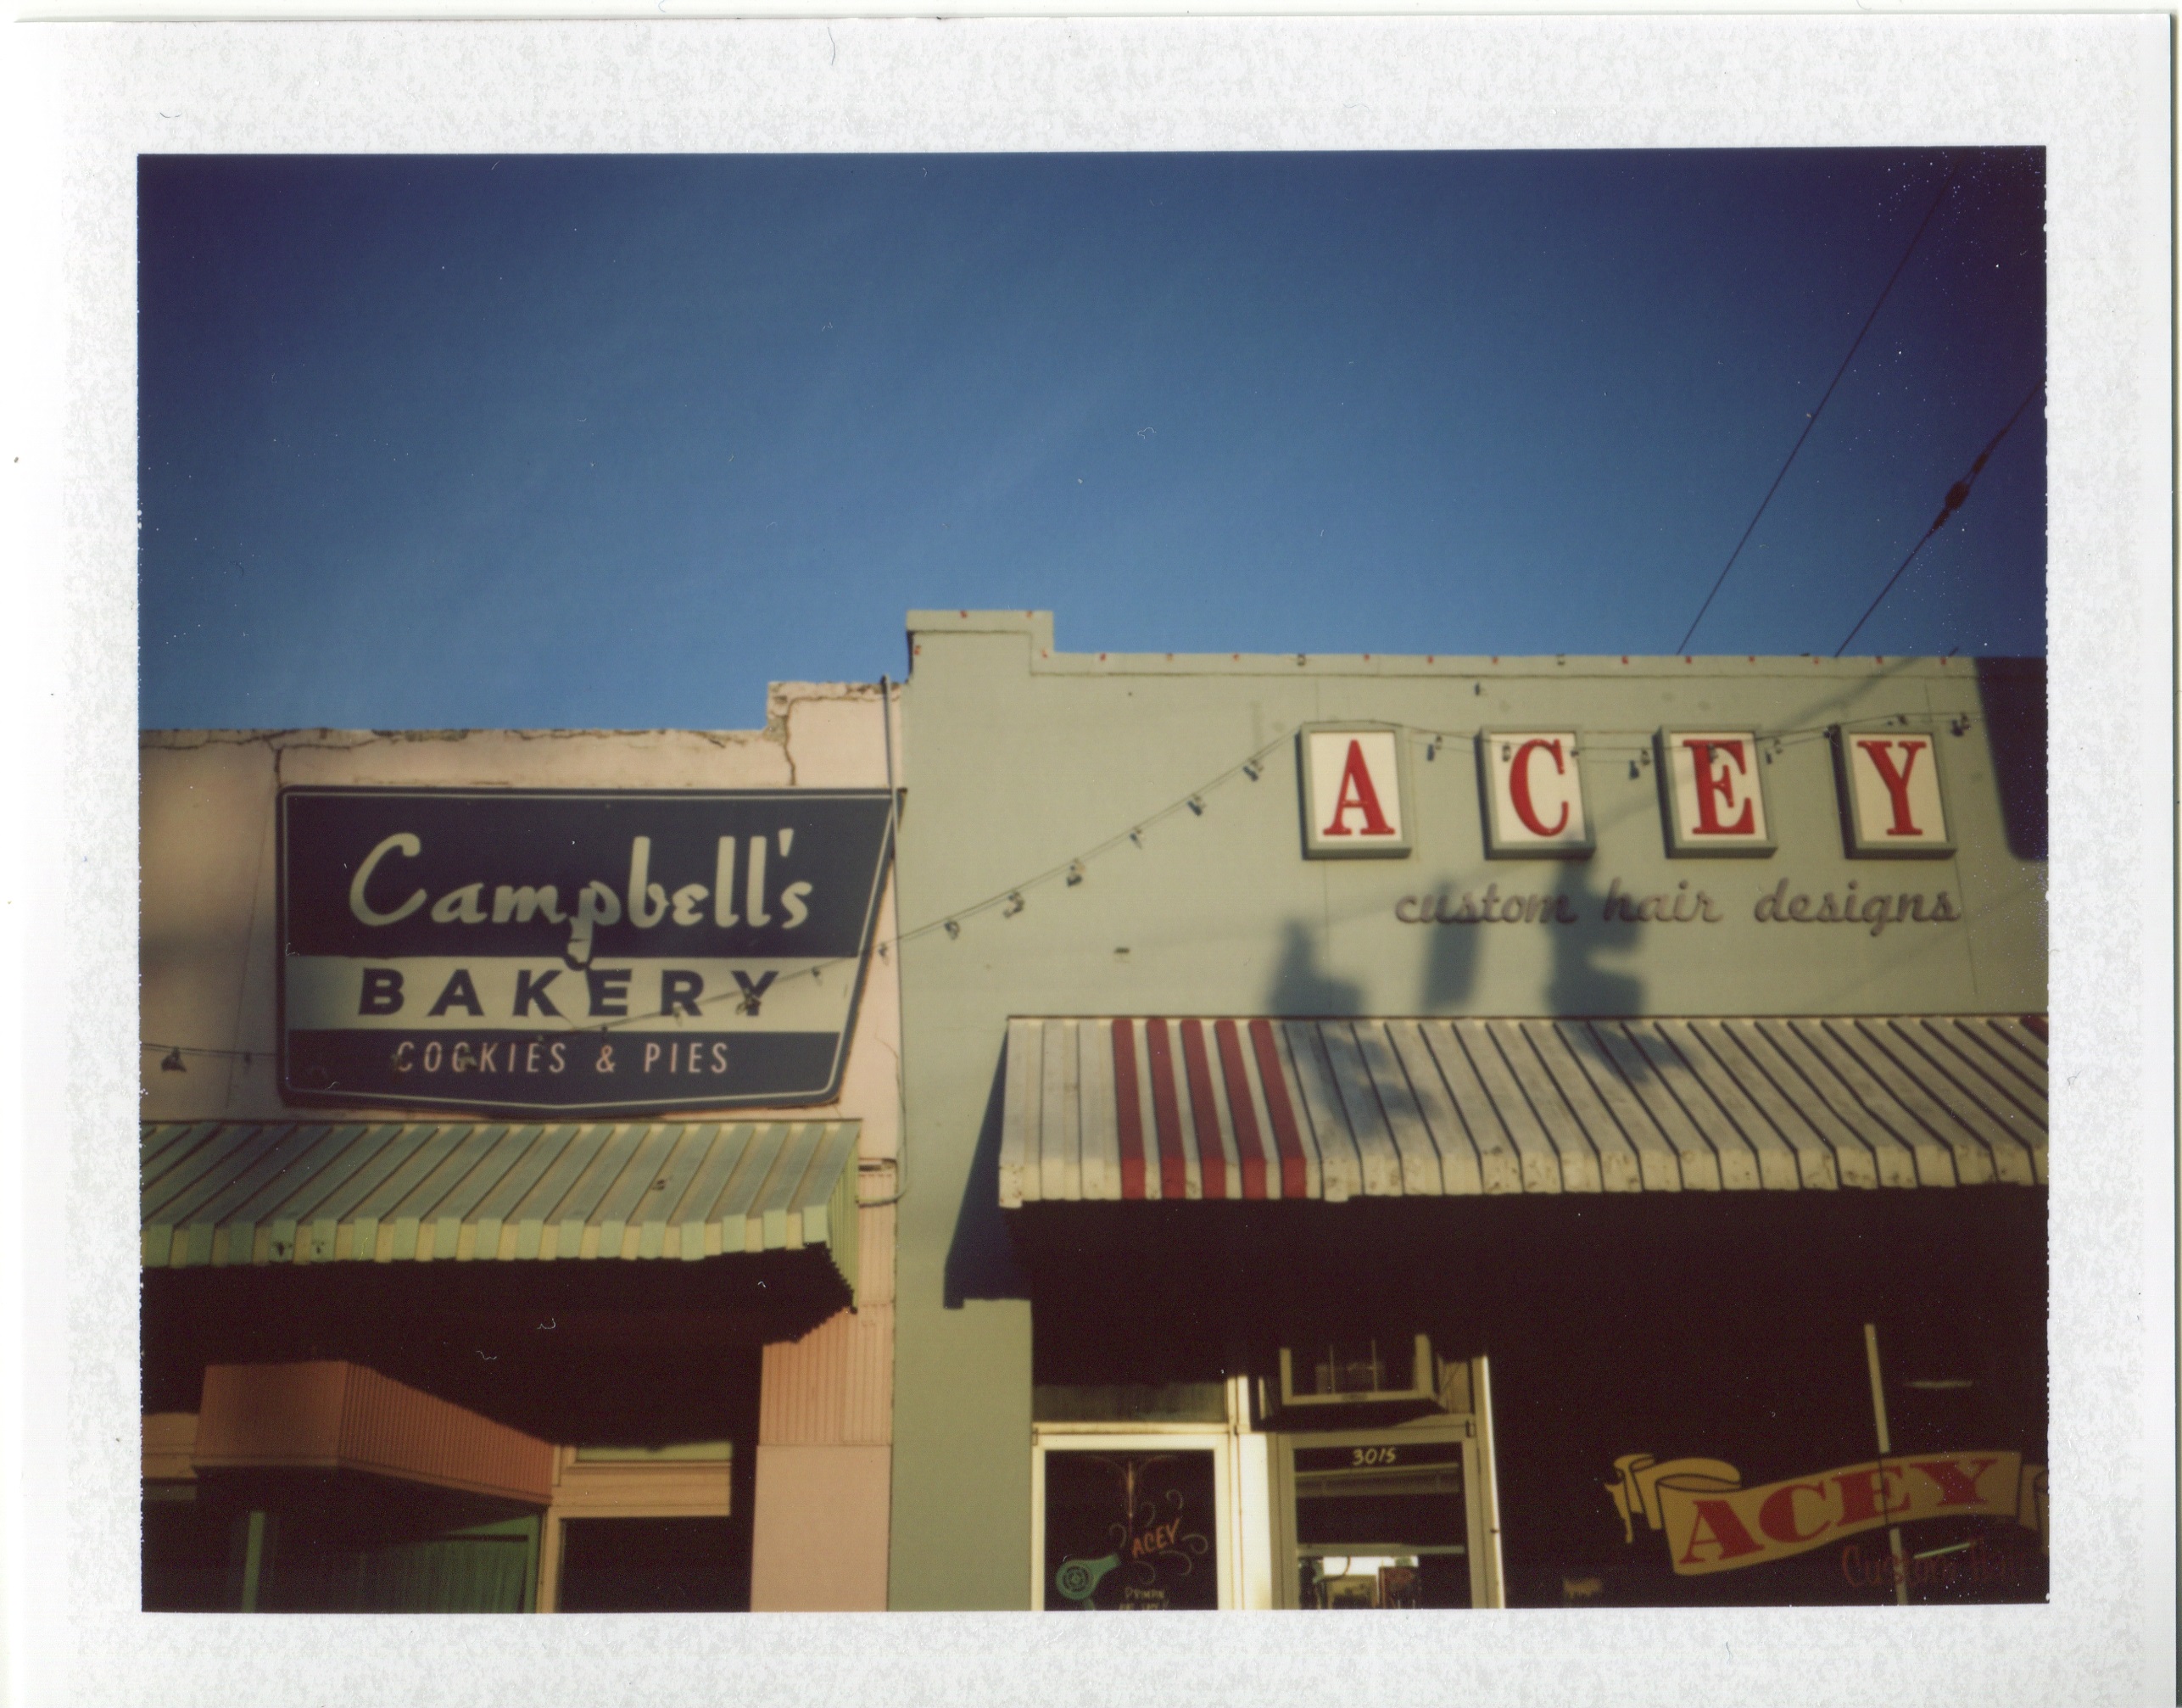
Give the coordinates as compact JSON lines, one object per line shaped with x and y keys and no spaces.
{"x":1957,"y":495}
{"x":1811,"y":419}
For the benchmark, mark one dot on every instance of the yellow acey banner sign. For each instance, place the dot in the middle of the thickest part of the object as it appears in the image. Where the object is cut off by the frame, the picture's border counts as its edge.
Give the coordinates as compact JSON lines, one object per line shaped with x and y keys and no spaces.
{"x":1715,"y":1524}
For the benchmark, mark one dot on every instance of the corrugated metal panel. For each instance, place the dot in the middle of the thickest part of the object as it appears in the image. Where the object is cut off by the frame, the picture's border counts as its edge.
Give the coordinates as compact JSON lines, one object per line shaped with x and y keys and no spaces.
{"x":834,"y":1387}
{"x":327,"y":1414}
{"x":875,"y":1256}
{"x":668,"y":1488}
{"x":301,"y":1191}
{"x":1129,"y":1107}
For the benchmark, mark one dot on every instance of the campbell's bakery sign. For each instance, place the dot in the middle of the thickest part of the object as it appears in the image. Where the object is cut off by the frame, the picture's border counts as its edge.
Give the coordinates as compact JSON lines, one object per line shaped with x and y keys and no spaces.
{"x":607,"y":952}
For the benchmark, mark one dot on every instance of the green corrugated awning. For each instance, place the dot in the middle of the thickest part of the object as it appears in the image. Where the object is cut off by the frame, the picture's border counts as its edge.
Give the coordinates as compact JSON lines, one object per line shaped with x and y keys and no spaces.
{"x":228,"y":1193}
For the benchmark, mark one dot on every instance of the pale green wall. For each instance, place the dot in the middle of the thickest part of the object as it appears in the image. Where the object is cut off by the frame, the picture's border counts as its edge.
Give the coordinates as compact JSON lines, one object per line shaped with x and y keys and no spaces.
{"x":1018,"y":758}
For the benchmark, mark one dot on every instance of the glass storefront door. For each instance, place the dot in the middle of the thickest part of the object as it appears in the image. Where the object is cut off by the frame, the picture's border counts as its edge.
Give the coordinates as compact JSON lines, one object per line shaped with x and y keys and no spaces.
{"x":1381,"y":1518}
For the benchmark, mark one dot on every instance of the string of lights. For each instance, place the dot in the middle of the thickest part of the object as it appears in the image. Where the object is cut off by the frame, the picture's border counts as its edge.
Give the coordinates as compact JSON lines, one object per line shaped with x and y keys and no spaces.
{"x":1074,"y":870}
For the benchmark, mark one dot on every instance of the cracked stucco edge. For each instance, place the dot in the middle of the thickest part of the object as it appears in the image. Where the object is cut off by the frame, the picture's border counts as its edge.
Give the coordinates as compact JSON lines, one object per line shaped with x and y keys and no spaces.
{"x":782,"y":698}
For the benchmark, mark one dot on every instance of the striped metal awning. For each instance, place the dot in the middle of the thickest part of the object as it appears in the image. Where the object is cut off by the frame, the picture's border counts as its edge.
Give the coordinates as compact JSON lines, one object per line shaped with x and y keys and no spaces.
{"x":236,"y":1193}
{"x":1131,"y":1108}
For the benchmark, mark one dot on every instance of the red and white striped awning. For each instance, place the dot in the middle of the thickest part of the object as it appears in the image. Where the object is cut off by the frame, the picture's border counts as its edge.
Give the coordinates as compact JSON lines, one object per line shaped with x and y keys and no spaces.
{"x":1130,"y":1107}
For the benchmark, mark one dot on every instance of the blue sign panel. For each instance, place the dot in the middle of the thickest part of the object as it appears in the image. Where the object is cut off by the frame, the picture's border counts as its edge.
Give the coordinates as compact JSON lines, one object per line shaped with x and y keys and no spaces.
{"x":600,"y":952}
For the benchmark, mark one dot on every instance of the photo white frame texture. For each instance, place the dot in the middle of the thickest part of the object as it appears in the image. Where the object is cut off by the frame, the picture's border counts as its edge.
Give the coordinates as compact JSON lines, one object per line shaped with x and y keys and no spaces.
{"x":2093,"y":90}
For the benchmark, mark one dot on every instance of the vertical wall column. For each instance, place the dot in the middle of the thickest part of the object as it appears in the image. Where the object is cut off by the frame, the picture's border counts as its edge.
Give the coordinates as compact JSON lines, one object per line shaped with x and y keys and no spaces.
{"x":825,"y":1452}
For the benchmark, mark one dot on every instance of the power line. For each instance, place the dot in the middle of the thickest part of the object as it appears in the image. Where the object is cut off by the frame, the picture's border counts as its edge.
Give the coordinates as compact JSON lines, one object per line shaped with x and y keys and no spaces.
{"x":1957,"y":495}
{"x":1811,"y":419}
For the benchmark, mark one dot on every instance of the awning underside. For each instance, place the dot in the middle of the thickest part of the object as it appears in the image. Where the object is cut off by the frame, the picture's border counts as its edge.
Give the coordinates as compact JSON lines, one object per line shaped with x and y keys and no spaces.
{"x":1146,"y":1109}
{"x":238,"y":1192}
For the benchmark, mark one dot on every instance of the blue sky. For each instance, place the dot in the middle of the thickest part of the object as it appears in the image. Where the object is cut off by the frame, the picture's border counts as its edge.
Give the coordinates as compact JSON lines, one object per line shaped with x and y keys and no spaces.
{"x":613,"y":441}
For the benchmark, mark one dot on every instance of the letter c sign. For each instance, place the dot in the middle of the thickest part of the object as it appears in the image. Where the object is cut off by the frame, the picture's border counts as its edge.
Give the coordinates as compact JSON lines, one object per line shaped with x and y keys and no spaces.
{"x":1533,"y":788}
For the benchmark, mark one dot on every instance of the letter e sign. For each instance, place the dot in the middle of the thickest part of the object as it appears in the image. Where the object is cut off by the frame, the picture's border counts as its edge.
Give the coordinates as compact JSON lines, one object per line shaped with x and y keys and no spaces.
{"x":1713,"y":793}
{"x":1891,"y":802}
{"x":1533,"y":793}
{"x":1355,"y":793}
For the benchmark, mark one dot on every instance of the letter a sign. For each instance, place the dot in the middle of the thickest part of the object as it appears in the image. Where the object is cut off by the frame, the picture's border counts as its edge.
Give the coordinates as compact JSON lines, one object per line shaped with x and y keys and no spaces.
{"x":1355,"y":797}
{"x":1890,"y":798}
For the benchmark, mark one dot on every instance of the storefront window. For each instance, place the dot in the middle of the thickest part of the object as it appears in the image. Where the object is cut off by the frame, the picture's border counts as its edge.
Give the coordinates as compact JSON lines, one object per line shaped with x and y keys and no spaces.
{"x":1131,"y":1527}
{"x":652,"y":1565}
{"x":345,"y":1543}
{"x":186,"y":1549}
{"x":1173,"y":1402}
{"x":1362,"y":1367}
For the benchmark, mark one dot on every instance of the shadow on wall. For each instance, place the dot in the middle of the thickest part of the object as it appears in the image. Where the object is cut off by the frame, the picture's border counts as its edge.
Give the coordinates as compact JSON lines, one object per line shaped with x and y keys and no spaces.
{"x":981,"y":1262}
{"x":1301,"y":985}
{"x":1451,"y":958}
{"x":1580,"y":984}
{"x":2013,"y":693}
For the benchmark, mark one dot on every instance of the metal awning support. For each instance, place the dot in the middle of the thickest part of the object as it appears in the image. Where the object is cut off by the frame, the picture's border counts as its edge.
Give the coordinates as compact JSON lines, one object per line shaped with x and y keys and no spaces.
{"x":224,"y":1193}
{"x":1133,"y":1108}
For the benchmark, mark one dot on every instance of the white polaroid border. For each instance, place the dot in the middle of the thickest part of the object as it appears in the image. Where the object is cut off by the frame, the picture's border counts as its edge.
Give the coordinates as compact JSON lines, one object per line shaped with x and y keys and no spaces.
{"x":2092,"y":89}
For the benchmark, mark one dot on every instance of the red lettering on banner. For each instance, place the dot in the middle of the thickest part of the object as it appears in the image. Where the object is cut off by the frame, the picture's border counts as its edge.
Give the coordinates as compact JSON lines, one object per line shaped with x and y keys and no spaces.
{"x":1728,"y":1533}
{"x":1897,"y":782}
{"x":1861,"y":1497}
{"x":1714,"y":788}
{"x":1777,"y":1517}
{"x":1357,"y":795}
{"x":1957,"y":1487}
{"x":1519,"y":788}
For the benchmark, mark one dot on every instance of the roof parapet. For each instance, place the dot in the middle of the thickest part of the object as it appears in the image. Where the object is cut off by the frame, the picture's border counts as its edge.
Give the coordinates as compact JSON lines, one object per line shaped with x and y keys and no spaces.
{"x":1038,"y":627}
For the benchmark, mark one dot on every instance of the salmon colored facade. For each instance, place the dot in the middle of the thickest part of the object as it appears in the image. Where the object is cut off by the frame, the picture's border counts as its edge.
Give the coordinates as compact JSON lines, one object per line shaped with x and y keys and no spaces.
{"x":415,"y":1358}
